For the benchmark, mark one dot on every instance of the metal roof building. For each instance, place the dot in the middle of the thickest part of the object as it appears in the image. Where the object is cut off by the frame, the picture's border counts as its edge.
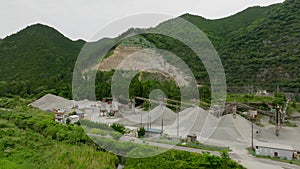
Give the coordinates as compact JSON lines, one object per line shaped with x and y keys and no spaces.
{"x":274,"y":150}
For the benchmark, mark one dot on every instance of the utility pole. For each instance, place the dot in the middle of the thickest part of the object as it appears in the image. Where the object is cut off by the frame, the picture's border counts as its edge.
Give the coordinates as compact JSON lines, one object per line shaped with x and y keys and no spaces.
{"x":277,"y":121}
{"x":252,"y":119}
{"x":148,"y":124}
{"x":133,"y":105}
{"x":141,"y":120}
{"x":162,"y":117}
{"x":162,"y":125}
{"x":177,"y":111}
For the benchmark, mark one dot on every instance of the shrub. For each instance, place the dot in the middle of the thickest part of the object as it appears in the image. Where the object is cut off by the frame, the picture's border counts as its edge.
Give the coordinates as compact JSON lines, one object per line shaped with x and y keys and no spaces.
{"x":118,"y":127}
{"x":141,"y":132}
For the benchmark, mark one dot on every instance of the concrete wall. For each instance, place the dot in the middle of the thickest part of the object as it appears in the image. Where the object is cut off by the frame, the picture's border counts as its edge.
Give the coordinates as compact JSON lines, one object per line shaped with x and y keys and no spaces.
{"x":271,"y":151}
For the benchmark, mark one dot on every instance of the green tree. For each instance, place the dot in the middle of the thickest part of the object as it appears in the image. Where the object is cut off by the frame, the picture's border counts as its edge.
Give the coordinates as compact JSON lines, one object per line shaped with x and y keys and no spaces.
{"x":141,"y":132}
{"x":119,"y":127}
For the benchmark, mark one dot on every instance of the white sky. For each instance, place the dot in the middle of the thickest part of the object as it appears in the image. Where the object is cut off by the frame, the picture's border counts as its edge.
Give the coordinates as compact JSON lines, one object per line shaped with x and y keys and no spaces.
{"x":81,"y":19}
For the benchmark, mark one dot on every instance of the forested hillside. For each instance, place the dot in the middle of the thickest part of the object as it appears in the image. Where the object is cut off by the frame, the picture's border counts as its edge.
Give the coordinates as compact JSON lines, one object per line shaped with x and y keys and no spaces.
{"x":258,"y":47}
{"x":37,"y":60}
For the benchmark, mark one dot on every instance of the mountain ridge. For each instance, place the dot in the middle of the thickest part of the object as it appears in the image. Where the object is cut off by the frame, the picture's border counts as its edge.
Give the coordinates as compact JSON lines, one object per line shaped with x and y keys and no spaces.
{"x":236,"y":39}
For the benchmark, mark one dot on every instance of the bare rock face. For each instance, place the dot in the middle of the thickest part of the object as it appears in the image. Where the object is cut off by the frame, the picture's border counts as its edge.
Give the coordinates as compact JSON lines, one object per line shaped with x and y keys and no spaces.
{"x":120,"y":53}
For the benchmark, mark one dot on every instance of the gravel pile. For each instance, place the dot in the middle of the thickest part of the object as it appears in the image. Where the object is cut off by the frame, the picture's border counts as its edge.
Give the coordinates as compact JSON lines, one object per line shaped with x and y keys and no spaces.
{"x":233,"y":129}
{"x":155,"y":116}
{"x":194,"y":120}
{"x":50,"y":102}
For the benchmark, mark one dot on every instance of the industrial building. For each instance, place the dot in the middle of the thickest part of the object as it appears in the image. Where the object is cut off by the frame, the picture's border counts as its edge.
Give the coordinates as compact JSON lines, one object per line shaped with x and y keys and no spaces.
{"x":274,"y":150}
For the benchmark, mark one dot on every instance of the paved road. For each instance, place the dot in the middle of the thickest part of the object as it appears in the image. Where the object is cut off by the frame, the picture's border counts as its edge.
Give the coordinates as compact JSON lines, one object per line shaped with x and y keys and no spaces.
{"x":168,"y":146}
{"x":244,"y":158}
{"x":239,"y":155}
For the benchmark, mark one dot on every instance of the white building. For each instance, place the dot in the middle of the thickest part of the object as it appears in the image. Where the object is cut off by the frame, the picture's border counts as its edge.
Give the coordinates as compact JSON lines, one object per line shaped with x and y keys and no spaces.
{"x":274,"y":150}
{"x":74,"y":119}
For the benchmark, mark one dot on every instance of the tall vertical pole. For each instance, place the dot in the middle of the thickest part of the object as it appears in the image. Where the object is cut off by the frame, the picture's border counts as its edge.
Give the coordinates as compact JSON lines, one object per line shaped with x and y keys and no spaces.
{"x":162,"y":125}
{"x":252,"y":119}
{"x":141,"y":120}
{"x":148,"y":124}
{"x":277,"y":121}
{"x":148,"y":121}
{"x":177,"y":124}
{"x":177,"y":121}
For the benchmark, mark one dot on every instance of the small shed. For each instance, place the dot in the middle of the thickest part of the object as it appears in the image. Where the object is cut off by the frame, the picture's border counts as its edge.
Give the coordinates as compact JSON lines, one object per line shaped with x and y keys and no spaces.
{"x":274,"y":150}
{"x":150,"y":132}
{"x":191,"y":137}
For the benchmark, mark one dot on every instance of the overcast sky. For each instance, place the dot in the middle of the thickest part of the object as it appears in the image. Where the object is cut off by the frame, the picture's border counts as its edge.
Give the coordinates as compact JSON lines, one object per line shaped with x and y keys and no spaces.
{"x":81,"y":19}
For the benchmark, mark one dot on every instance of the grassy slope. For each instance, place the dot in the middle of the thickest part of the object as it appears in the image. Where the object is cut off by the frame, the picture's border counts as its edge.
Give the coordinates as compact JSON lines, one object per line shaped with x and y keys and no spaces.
{"x":29,"y":138}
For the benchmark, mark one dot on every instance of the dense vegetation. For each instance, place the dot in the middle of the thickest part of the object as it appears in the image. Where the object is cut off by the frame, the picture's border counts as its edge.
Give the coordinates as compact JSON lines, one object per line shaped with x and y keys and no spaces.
{"x":259,"y":46}
{"x":30,"y":138}
{"x":266,"y":53}
{"x":141,"y":88}
{"x":183,"y":160}
{"x":37,"y":60}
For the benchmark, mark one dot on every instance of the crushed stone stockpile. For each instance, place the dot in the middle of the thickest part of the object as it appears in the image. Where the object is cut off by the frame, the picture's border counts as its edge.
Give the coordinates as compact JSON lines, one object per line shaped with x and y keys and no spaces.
{"x":194,"y":120}
{"x":162,"y":113}
{"x":50,"y":101}
{"x":155,"y":116}
{"x":233,"y":129}
{"x":206,"y":126}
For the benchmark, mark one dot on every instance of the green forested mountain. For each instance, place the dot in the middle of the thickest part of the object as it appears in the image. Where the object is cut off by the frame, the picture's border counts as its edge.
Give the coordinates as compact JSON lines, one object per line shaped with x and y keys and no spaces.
{"x":36,"y":59}
{"x":267,"y":52}
{"x":258,"y":47}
